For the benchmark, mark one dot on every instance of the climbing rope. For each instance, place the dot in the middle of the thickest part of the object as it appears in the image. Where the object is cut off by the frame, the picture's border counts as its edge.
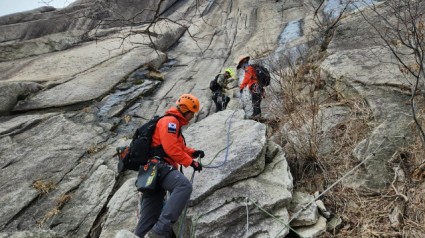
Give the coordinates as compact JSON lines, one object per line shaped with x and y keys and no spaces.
{"x":247,"y":199}
{"x":227,"y":145}
{"x":314,"y":200}
{"x":210,"y":167}
{"x":272,"y":216}
{"x":333,"y":185}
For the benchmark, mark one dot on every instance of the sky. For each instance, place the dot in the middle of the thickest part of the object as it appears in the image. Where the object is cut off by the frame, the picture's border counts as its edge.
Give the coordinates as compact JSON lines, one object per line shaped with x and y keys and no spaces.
{"x":12,"y":6}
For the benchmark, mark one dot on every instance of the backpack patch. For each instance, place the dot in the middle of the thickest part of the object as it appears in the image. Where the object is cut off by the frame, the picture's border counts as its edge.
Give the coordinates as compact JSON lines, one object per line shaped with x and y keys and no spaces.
{"x":263,"y":75}
{"x":138,"y":153}
{"x":214,"y":86}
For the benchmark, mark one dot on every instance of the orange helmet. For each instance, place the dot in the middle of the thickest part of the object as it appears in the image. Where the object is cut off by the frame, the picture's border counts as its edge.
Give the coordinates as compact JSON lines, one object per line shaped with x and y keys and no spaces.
{"x":242,"y":59}
{"x":190,"y":101}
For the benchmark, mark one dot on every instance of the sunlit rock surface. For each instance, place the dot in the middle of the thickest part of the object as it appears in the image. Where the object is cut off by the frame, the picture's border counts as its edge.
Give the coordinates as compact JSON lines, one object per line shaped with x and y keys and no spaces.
{"x":73,"y":90}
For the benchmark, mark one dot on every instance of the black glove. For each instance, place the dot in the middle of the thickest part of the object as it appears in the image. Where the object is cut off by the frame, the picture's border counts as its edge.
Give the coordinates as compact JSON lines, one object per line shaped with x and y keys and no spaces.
{"x":198,"y":153}
{"x":197,"y":166}
{"x":241,"y":91}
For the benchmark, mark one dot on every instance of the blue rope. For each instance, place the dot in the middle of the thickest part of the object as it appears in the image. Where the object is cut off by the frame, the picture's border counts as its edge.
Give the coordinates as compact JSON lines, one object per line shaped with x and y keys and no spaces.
{"x":227,"y":145}
{"x":210,"y":167}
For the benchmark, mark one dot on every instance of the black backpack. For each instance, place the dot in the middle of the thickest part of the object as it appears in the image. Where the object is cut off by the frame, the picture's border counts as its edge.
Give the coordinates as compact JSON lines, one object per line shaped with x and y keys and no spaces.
{"x":263,"y":75}
{"x":214,"y":86}
{"x":140,"y":150}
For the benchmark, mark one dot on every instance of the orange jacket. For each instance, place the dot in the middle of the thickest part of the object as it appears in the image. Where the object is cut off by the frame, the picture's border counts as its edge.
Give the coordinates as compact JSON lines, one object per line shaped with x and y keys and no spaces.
{"x":167,"y":133}
{"x":250,"y":78}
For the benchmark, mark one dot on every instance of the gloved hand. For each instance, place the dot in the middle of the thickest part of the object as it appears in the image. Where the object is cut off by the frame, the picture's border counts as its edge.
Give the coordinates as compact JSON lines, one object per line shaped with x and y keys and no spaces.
{"x":241,"y":91}
{"x":197,"y":166}
{"x":198,"y":153}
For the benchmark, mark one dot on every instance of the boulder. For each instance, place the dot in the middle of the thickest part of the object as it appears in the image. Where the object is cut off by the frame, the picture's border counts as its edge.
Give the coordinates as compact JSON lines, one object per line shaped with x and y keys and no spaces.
{"x":237,"y":178}
{"x":303,"y":216}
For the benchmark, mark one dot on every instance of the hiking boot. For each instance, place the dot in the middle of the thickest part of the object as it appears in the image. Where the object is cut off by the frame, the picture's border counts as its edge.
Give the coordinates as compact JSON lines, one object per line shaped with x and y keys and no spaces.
{"x":153,"y":234}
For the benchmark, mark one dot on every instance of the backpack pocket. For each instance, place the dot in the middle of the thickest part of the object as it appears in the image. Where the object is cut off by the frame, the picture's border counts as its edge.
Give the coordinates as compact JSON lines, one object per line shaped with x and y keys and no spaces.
{"x":147,"y":179}
{"x":257,"y":88}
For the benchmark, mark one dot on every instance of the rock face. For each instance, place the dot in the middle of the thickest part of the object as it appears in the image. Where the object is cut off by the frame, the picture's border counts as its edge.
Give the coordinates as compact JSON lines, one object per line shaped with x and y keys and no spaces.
{"x":47,"y":29}
{"x":237,"y":178}
{"x":388,"y":103}
{"x":11,"y":92}
{"x":76,"y":82}
{"x":48,"y":153}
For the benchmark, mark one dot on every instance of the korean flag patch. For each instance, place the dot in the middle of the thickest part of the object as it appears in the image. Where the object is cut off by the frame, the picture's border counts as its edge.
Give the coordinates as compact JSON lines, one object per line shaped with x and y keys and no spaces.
{"x":172,"y":127}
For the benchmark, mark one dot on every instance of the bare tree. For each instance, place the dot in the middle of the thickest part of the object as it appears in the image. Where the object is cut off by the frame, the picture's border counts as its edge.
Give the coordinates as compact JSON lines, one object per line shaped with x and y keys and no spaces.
{"x":142,"y":20}
{"x":400,"y":24}
{"x":327,"y":24}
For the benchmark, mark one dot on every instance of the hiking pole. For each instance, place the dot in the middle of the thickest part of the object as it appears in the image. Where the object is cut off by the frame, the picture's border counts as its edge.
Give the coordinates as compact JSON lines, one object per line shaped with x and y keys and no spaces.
{"x":185,"y":209}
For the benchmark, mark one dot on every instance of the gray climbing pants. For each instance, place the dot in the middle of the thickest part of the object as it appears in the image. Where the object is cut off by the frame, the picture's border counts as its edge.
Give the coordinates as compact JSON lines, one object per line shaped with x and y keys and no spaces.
{"x":256,"y":104}
{"x":220,"y":100}
{"x":156,"y":215}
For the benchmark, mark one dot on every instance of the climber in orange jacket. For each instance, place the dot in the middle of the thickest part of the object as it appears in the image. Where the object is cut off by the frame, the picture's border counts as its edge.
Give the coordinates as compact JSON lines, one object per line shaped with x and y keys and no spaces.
{"x":250,"y":80}
{"x":156,"y":219}
{"x":168,"y":135}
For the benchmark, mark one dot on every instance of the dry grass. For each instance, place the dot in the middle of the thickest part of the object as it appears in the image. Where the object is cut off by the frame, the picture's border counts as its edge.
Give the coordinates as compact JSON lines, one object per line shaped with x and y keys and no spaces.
{"x":87,"y":110}
{"x":308,"y":165}
{"x":127,"y":118}
{"x":397,"y":212}
{"x":43,"y":186}
{"x":47,"y":216}
{"x":95,"y":148}
{"x":363,"y":216}
{"x":298,"y":95}
{"x":60,"y":202}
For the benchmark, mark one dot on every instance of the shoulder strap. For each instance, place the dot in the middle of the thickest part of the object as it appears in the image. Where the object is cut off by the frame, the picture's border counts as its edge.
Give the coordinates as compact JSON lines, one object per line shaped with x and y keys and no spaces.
{"x":158,"y":150}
